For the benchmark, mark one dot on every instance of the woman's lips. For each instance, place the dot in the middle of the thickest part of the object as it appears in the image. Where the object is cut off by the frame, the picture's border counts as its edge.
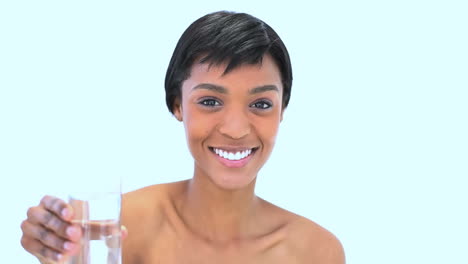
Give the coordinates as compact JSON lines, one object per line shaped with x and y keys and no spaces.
{"x":233,"y":158}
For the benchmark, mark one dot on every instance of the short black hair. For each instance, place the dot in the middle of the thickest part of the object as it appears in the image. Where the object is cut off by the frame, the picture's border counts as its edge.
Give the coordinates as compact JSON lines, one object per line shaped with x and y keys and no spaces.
{"x":226,"y":37}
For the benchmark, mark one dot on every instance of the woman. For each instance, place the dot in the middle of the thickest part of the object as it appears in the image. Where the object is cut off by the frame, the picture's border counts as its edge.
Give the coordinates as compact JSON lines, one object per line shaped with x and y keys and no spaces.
{"x":229,"y":82}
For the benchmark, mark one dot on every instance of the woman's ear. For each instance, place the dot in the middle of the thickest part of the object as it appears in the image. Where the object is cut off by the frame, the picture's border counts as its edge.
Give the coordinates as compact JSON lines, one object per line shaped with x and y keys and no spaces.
{"x":177,"y":109}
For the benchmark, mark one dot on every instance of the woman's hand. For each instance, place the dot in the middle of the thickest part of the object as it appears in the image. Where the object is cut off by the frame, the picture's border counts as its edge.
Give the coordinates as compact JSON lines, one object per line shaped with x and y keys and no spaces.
{"x":50,"y":235}
{"x":48,"y":232}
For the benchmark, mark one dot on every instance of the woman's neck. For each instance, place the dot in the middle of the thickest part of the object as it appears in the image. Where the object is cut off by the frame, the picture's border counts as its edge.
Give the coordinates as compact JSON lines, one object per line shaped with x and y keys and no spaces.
{"x":215,"y":214}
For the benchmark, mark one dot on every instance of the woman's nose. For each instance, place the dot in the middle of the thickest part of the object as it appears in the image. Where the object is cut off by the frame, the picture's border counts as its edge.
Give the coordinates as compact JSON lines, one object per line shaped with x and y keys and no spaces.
{"x":235,"y":125}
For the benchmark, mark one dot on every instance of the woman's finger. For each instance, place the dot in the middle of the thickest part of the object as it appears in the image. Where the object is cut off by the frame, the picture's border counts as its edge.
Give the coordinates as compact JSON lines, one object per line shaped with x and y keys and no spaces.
{"x":39,"y":250}
{"x":58,"y":207}
{"x":39,"y":216}
{"x":48,"y":220}
{"x":46,"y":237}
{"x":124,"y":232}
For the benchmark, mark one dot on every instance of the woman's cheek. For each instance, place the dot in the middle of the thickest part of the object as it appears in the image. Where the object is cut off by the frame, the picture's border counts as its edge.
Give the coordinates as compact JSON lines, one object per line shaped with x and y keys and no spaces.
{"x":197,"y":124}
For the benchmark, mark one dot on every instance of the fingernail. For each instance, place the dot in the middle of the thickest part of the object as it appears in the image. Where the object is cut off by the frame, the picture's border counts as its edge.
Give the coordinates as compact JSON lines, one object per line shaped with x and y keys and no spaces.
{"x":68,"y":246}
{"x":124,"y":232}
{"x":71,"y":231}
{"x":58,"y":256}
{"x":64,"y":212}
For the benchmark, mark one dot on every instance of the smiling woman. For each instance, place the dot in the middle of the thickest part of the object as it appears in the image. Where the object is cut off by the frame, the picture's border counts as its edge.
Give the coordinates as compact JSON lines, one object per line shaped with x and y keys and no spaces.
{"x":229,"y":82}
{"x":241,"y":115}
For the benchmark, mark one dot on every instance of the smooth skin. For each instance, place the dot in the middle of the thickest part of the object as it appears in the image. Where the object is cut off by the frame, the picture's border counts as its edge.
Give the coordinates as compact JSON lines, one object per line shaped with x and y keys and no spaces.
{"x":215,"y":217}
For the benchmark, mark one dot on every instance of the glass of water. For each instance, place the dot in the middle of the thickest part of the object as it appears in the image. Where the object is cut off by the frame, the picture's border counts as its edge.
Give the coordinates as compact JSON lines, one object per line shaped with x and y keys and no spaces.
{"x":97,"y":211}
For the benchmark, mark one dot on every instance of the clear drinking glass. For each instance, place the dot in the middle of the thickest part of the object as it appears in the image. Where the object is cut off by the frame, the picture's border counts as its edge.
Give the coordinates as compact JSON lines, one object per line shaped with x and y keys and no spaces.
{"x":97,"y":211}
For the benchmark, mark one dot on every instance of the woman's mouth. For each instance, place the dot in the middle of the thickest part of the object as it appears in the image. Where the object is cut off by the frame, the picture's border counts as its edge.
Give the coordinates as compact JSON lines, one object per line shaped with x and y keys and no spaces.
{"x":234,"y":158}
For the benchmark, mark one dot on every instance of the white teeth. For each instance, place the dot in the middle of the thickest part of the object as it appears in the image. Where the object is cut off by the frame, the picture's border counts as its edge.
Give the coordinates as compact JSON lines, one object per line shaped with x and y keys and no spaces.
{"x":231,"y":155}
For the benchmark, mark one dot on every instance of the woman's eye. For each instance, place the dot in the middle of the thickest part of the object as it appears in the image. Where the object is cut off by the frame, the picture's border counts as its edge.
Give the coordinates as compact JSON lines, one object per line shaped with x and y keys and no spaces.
{"x":261,"y":105}
{"x":209,"y":102}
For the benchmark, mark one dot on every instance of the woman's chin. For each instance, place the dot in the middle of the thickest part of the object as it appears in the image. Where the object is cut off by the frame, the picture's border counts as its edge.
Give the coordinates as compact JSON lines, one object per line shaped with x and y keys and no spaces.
{"x":234,"y":182}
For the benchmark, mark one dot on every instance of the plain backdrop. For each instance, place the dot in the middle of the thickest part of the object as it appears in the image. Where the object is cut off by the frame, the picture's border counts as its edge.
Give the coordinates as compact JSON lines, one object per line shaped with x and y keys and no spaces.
{"x":373,"y":145}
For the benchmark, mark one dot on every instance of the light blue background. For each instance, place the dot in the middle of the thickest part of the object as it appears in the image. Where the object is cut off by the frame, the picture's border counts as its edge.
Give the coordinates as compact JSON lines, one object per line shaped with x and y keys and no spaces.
{"x":373,"y":146}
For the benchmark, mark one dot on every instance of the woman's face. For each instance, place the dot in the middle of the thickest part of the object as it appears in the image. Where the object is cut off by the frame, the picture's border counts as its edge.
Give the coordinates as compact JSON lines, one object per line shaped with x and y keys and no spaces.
{"x":231,"y":120}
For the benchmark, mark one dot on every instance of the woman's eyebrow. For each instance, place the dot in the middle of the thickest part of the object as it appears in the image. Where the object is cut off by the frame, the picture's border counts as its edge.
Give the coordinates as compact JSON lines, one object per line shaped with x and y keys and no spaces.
{"x":211,"y":87}
{"x":264,"y":88}
{"x":223,"y":90}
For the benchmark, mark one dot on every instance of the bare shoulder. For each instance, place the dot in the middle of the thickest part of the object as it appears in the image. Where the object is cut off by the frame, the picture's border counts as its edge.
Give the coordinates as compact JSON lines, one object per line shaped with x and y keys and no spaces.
{"x":141,"y":209}
{"x":139,"y":203}
{"x":307,"y":241}
{"x":147,"y":202}
{"x":143,"y":215}
{"x":144,"y":209}
{"x":311,"y":241}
